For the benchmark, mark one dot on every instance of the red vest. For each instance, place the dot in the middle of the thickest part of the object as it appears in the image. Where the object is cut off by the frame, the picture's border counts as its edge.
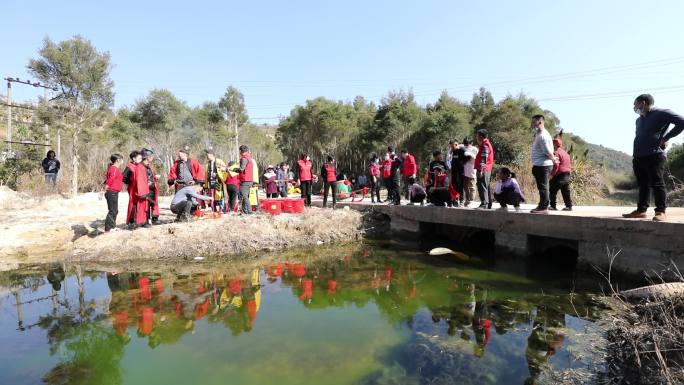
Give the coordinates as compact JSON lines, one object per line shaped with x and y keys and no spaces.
{"x":387,"y":169}
{"x":248,"y":174}
{"x":440,"y":180}
{"x":330,"y":173}
{"x":304,"y":170}
{"x":489,"y":162}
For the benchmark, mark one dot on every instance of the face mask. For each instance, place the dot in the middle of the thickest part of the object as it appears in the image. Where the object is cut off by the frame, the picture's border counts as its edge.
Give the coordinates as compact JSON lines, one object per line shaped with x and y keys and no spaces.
{"x":638,"y":110}
{"x":307,"y":158}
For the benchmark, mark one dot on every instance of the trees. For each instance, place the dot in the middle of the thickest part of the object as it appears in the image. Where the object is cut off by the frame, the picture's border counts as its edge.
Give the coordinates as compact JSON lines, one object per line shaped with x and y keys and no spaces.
{"x":81,"y":73}
{"x":447,"y":119}
{"x":233,"y":103}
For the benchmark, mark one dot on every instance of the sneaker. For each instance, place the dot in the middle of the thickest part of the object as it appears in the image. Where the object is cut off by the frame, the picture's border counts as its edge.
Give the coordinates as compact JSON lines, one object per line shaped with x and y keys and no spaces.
{"x":502,"y":208}
{"x":567,"y":209}
{"x":636,"y":214}
{"x":147,"y":225}
{"x":517,"y":209}
{"x":553,"y":208}
{"x":482,"y":206}
{"x":539,"y":210}
{"x":660,"y":217}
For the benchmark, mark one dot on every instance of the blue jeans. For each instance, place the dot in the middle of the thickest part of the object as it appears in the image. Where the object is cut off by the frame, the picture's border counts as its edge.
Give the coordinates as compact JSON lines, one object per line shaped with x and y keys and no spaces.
{"x":51,"y":179}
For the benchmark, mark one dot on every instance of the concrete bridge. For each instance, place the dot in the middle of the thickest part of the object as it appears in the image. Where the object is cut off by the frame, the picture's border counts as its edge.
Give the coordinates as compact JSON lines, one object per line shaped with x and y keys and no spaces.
{"x":592,"y":232}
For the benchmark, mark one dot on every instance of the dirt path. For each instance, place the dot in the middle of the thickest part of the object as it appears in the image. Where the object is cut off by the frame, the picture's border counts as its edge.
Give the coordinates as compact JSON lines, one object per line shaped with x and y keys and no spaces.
{"x":57,"y":229}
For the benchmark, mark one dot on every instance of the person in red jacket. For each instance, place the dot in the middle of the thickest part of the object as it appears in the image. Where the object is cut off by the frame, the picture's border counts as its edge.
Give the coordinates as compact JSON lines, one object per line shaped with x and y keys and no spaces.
{"x":409,"y":169}
{"x":386,"y":169}
{"x":484,"y":163}
{"x":185,"y":171}
{"x":374,"y":175}
{"x":560,"y":176}
{"x":246,"y":175}
{"x":304,"y":167}
{"x":329,"y":175}
{"x":135,"y":177}
{"x":113,"y":184}
{"x":152,"y":177}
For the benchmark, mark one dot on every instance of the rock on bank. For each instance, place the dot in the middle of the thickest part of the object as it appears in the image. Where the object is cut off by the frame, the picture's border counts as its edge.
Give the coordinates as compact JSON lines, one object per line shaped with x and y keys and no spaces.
{"x":215,"y":237}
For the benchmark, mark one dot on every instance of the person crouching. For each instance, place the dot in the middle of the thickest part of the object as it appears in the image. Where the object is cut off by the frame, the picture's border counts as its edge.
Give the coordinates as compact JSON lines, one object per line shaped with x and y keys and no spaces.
{"x":507,"y":190}
{"x":416,"y":192}
{"x":184,"y":202}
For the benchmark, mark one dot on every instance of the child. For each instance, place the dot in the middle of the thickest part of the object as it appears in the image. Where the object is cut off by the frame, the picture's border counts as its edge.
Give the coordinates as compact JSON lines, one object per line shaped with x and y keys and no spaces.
{"x":271,"y":182}
{"x":113,"y":183}
{"x":507,"y":190}
{"x":232,"y":186}
{"x":416,"y":192}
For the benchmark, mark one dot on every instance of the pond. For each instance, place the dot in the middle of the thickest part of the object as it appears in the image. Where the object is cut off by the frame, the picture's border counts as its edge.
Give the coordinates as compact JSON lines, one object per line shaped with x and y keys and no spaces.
{"x":364,"y":314}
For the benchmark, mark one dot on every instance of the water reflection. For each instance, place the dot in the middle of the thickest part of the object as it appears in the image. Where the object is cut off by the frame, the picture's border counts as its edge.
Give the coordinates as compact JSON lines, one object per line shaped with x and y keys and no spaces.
{"x":455,"y":324}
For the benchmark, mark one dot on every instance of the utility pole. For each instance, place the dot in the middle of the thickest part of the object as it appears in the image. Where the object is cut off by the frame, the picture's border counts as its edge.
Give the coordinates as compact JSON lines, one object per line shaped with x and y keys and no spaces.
{"x":9,"y":117}
{"x":46,"y":128}
{"x":45,"y":88}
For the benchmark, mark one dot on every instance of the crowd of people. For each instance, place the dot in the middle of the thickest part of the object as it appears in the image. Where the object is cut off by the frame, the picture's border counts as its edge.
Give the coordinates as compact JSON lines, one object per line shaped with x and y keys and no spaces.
{"x":448,"y":181}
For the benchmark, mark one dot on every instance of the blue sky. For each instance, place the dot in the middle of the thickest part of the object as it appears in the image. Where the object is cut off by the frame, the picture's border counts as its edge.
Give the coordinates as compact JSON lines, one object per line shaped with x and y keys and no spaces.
{"x":280,"y":54}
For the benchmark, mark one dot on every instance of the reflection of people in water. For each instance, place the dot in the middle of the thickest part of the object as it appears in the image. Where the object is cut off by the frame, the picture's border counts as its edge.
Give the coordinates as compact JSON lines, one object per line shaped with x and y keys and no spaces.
{"x":55,"y":276}
{"x":481,"y":326}
{"x":545,"y":339}
{"x":462,"y":316}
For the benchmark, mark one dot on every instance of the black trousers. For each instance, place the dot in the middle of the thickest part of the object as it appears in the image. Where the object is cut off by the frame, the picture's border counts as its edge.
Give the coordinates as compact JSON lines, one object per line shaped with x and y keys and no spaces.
{"x":244,"y":196}
{"x":508,"y":198}
{"x":560,"y":182}
{"x":405,"y":186}
{"x":439,"y":196}
{"x":112,"y":209}
{"x":396,"y":194}
{"x":182,"y":209}
{"x":457,"y":179}
{"x":326,"y":187}
{"x":233,"y":192}
{"x":650,"y":175}
{"x":483,"y":188}
{"x":375,"y":190}
{"x":541,"y":176}
{"x":418,"y":198}
{"x":387,"y":182}
{"x":306,"y":192}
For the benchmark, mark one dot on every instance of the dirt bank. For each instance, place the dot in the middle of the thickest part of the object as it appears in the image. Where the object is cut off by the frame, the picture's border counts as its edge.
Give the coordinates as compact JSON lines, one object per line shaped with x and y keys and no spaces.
{"x":214,"y":237}
{"x":54,"y":229}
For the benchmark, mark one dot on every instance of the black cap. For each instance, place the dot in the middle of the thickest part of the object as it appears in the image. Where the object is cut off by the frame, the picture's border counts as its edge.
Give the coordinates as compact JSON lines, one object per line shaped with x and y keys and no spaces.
{"x":185,"y":149}
{"x":209,"y":151}
{"x":145,"y":152}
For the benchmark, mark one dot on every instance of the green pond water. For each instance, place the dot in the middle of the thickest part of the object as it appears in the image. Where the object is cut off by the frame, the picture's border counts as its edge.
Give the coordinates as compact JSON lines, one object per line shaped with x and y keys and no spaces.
{"x":368,"y":314}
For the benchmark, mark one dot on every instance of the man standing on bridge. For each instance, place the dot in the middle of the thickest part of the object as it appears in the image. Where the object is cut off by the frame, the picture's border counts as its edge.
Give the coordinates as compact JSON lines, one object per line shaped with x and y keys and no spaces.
{"x":649,"y":159}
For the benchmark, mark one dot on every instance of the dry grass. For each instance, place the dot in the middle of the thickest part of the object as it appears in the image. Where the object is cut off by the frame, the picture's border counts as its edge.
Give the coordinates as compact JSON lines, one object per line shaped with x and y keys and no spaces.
{"x":588,"y":184}
{"x":646,"y":338}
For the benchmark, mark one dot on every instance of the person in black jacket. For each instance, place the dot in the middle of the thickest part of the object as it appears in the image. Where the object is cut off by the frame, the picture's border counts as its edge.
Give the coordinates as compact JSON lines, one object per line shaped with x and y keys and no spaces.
{"x":51,"y":167}
{"x":397,"y":165}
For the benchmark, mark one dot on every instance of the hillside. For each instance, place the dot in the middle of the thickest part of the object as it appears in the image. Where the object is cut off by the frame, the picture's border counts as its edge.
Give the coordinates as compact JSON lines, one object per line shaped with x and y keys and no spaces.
{"x":616,"y":162}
